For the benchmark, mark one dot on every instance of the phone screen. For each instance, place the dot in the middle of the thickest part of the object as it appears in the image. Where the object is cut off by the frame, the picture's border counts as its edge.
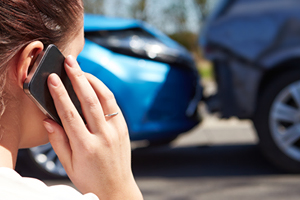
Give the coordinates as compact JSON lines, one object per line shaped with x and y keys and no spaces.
{"x":35,"y":86}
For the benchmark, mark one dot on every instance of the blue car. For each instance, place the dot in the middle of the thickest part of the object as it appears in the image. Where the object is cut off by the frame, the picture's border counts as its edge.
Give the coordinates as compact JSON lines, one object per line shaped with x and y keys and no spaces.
{"x":153,"y":78}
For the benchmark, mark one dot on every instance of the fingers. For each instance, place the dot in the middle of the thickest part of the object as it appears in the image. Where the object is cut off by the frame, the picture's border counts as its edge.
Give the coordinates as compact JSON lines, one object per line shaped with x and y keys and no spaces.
{"x":59,"y":142}
{"x":95,"y":98}
{"x":89,"y":101}
{"x":71,"y":120}
{"x":106,"y":97}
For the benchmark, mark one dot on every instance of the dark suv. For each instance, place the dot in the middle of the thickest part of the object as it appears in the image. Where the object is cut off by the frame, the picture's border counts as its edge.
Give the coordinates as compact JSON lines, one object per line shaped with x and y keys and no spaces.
{"x":255,"y":49}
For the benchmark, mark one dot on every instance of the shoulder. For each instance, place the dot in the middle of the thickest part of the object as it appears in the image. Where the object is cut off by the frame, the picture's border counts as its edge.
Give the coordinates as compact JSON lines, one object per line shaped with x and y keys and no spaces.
{"x":13,"y":186}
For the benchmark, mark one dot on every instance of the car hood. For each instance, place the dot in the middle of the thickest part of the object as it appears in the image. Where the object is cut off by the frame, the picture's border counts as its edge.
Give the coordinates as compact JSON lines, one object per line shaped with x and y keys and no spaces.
{"x":94,"y":22}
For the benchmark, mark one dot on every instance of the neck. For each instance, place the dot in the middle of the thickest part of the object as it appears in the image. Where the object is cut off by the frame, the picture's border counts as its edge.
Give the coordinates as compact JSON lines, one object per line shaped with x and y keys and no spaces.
{"x":8,"y":157}
{"x":8,"y":152}
{"x":9,"y":140}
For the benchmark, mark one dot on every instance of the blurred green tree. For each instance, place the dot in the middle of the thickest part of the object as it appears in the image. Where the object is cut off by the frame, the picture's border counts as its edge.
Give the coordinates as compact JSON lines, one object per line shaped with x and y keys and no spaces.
{"x":94,"y":6}
{"x":202,"y":8}
{"x":170,"y":16}
{"x":178,"y":14}
{"x":138,"y":10}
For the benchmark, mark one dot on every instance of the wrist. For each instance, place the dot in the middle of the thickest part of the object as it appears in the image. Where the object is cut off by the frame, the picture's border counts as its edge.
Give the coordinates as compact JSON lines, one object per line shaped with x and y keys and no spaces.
{"x":121,"y":190}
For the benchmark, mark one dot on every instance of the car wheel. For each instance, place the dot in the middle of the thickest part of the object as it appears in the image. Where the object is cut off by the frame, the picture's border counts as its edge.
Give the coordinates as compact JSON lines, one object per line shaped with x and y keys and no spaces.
{"x":277,"y":121}
{"x":46,"y":161}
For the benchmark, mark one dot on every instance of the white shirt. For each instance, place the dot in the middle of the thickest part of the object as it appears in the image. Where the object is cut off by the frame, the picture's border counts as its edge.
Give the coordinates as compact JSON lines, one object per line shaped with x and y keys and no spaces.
{"x":15,"y":187}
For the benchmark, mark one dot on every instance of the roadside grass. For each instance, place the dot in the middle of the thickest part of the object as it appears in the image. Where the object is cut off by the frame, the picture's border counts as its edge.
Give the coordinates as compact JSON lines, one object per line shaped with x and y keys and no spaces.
{"x":205,"y":69}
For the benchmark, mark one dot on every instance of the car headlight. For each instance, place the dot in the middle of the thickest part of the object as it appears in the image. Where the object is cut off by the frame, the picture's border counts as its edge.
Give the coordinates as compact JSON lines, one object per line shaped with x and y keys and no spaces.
{"x":137,"y":42}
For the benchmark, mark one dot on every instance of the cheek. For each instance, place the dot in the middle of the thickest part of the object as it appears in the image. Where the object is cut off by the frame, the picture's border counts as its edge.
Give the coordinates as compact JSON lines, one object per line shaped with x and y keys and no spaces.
{"x":78,"y":43}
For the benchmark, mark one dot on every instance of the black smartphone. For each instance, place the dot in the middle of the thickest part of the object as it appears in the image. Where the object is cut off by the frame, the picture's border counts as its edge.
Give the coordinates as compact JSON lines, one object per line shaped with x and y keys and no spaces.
{"x":51,"y":60}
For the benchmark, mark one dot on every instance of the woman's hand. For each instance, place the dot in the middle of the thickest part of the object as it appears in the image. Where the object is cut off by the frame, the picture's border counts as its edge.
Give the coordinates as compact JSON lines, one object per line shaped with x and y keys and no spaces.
{"x":96,"y":155}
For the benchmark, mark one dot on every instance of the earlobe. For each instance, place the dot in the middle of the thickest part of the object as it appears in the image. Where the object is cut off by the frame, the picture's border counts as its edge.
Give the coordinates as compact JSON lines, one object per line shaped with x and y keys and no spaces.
{"x":26,"y":59}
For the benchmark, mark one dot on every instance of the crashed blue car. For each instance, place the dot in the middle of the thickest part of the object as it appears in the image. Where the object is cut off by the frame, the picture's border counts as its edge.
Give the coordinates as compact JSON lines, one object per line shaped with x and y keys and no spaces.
{"x":153,"y":78}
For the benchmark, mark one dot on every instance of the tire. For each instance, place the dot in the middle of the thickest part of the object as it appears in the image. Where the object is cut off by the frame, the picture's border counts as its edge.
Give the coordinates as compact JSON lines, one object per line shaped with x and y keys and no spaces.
{"x":45,"y":163}
{"x":277,"y":121}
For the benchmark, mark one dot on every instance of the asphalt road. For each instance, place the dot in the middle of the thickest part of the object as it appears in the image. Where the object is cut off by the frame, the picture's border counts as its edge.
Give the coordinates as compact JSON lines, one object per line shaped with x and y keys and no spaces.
{"x":218,"y":160}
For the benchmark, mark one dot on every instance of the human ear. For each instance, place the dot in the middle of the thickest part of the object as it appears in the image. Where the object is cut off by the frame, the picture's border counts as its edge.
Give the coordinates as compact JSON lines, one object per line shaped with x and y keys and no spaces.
{"x":26,"y":58}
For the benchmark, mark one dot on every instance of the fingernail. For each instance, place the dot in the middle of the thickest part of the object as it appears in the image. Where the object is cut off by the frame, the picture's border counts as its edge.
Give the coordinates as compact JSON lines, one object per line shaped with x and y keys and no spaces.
{"x":70,"y":61}
{"x":48,"y":127}
{"x":54,"y":80}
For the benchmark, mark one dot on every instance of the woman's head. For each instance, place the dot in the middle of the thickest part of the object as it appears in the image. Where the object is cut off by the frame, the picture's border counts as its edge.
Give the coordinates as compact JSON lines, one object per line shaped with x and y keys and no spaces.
{"x":48,"y":21}
{"x":26,"y":27}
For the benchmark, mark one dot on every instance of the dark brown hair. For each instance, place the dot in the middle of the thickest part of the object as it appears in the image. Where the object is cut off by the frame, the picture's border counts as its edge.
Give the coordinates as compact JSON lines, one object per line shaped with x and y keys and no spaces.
{"x":25,"y":21}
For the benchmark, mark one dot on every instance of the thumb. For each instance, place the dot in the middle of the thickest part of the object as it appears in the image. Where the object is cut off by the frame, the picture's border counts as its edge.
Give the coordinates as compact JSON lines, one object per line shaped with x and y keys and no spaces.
{"x":59,"y":142}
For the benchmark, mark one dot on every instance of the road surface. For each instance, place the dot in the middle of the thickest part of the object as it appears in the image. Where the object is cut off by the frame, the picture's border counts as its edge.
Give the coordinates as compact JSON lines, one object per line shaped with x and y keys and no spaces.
{"x":218,"y":160}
